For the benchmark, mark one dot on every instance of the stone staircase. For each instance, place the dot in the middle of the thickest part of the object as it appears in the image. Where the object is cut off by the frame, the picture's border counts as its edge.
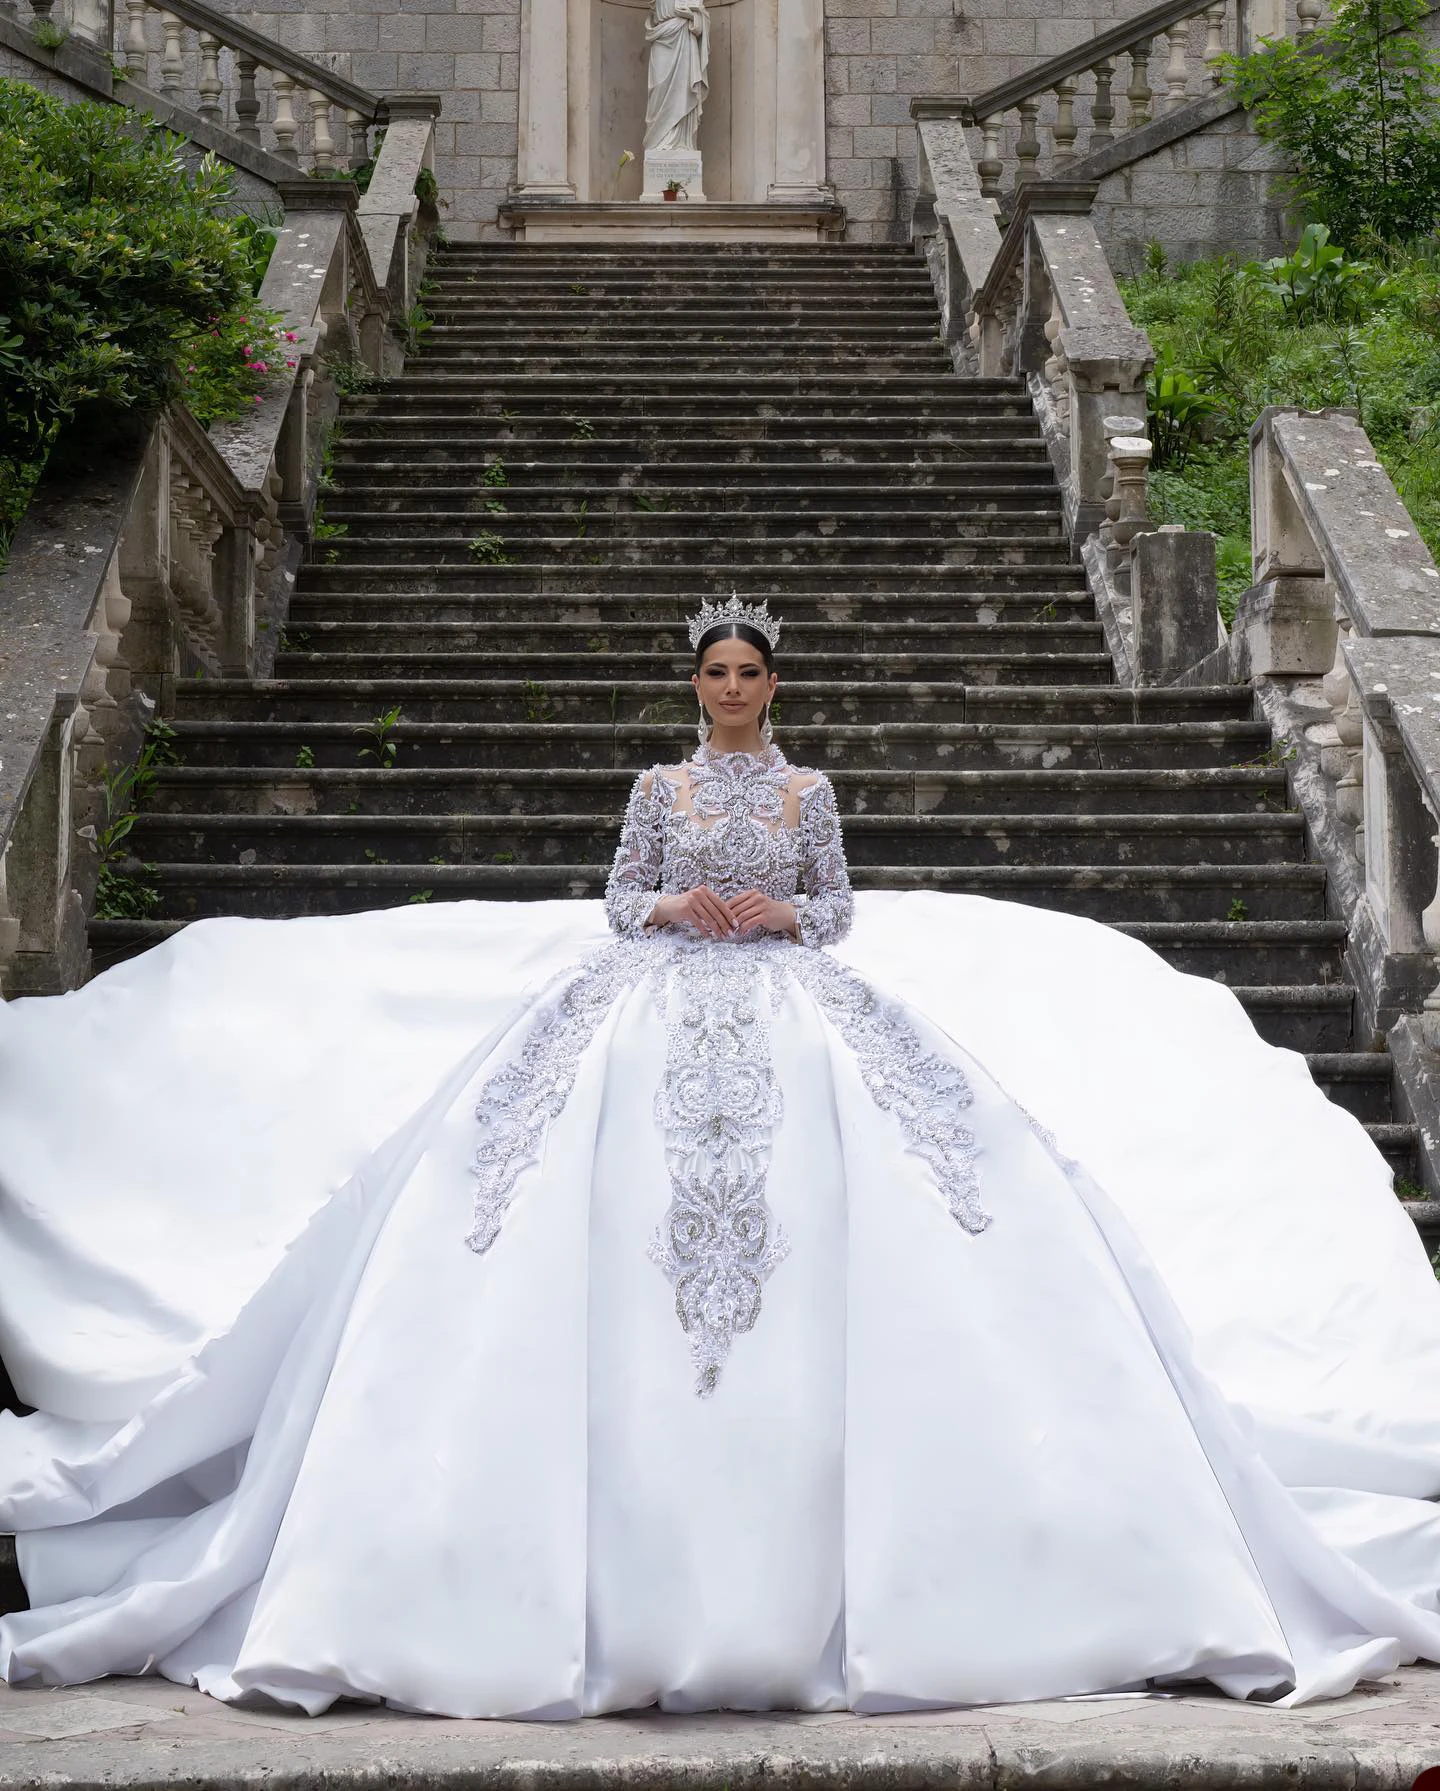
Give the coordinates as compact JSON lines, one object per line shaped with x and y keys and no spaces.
{"x":590,"y":441}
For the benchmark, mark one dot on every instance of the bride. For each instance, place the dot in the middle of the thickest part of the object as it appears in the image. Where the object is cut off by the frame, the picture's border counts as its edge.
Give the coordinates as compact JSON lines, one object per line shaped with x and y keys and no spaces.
{"x":791,"y":1362}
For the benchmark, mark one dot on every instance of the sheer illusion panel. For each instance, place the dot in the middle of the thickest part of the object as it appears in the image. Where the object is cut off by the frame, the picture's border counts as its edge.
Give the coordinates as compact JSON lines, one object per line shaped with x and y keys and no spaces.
{"x":732,"y":822}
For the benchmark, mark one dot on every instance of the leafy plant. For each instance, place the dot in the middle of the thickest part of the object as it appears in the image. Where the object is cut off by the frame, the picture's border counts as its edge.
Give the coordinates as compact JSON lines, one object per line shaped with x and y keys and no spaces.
{"x":1179,"y":411}
{"x":495,"y":473}
{"x":48,"y":34}
{"x":489,"y":549}
{"x":497,"y":506}
{"x":660,"y":501}
{"x":351,"y":376}
{"x":379,"y":733}
{"x":420,"y":895}
{"x":581,"y":427}
{"x":1237,"y":910}
{"x":128,"y":283}
{"x":538,"y":707}
{"x":427,"y":189}
{"x":120,"y":895}
{"x":1354,"y":109}
{"x":305,"y":759}
{"x":1317,"y":279}
{"x":415,"y":326}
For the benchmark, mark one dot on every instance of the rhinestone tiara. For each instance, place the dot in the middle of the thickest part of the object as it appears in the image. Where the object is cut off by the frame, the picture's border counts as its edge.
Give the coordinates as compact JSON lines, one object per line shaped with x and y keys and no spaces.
{"x":752,"y":615}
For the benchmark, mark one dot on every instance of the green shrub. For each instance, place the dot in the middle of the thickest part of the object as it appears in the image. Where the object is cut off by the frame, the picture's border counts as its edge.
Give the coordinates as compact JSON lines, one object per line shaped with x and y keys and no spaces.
{"x":124,"y":284}
{"x":1318,"y":280}
{"x":1353,"y":107}
{"x":1240,"y":346}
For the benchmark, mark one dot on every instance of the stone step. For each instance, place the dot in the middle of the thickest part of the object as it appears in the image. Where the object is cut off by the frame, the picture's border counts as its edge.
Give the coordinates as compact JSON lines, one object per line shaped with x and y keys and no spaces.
{"x":923,"y":645}
{"x":945,"y":841}
{"x":563,"y":790}
{"x":1247,"y":953}
{"x":1398,"y":1144}
{"x":1309,"y":1017}
{"x":979,"y":667}
{"x":948,"y":573}
{"x":848,"y":394}
{"x":687,"y":347}
{"x":550,"y":440}
{"x":534,"y":497}
{"x":559,"y":318}
{"x":1358,"y":1081}
{"x":807,"y":702}
{"x":364,"y":476}
{"x":920,"y":746}
{"x":886,"y":533}
{"x":573,"y":558}
{"x":980,"y":599}
{"x":1103,"y":892}
{"x":682,"y":371}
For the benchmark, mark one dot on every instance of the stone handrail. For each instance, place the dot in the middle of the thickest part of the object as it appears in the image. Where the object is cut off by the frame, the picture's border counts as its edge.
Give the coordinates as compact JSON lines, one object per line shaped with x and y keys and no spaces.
{"x":1186,"y":38}
{"x":1341,"y":630}
{"x":178,"y":561}
{"x":233,"y":77}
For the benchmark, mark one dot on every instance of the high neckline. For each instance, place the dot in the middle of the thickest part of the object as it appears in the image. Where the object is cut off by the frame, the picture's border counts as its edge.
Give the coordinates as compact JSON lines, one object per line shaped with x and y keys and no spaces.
{"x":770,"y":757}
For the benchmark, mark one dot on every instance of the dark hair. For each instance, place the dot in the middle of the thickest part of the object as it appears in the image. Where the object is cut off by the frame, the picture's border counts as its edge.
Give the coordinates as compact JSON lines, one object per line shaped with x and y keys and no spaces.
{"x":735,"y":631}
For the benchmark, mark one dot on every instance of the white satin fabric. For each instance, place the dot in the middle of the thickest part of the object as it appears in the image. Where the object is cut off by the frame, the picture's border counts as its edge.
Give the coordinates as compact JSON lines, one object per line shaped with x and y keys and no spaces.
{"x":295,"y":1440}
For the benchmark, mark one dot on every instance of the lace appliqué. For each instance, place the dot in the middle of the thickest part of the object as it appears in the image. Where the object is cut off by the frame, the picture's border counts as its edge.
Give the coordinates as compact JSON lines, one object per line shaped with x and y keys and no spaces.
{"x":717,"y":1106}
{"x":519,"y":1101}
{"x":926,"y":1093}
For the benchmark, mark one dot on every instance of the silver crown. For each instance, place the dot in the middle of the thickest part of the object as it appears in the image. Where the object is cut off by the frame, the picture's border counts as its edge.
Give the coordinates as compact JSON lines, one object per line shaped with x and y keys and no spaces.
{"x":753,"y":615}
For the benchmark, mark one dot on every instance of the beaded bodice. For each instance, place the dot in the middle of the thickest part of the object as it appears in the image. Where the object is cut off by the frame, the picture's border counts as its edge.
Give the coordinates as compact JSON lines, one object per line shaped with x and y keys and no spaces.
{"x":732,"y":822}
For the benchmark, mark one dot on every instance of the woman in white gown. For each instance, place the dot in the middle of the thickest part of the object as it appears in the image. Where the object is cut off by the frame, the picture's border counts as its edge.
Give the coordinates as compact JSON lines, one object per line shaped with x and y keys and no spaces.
{"x":791,"y":1363}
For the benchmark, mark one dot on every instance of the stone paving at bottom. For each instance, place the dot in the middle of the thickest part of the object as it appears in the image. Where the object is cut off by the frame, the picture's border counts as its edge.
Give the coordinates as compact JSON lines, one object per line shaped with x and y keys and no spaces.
{"x":146,"y":1732}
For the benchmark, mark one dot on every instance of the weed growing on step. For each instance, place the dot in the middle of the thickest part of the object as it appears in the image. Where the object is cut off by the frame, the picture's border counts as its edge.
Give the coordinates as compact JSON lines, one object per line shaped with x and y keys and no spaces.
{"x":582,"y":519}
{"x":495,"y":473}
{"x":489,"y":549}
{"x":1245,"y":347}
{"x":502,"y":858}
{"x":373,"y":857}
{"x":415,"y":326}
{"x":381,"y":743}
{"x":538,"y":707}
{"x":420,"y":895}
{"x":581,"y":428}
{"x":353,"y":379}
{"x":1406,"y":1189}
{"x":48,"y":35}
{"x":1237,"y":910}
{"x":579,"y":290}
{"x":119,"y":894}
{"x":497,"y":506}
{"x":305,"y":759}
{"x":660,"y":501}
{"x":597,"y":643}
{"x":1049,"y":613}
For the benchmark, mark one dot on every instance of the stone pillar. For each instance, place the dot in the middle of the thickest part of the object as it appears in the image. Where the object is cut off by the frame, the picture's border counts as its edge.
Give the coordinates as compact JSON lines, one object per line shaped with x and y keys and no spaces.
{"x":800,"y":102}
{"x":1172,"y":593}
{"x":544,"y":159}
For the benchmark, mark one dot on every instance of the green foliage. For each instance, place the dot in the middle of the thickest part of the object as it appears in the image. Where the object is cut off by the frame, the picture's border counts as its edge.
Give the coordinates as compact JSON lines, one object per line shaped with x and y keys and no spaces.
{"x":48,"y":34}
{"x":1244,"y":347}
{"x":489,"y":549}
{"x":427,"y":190}
{"x":119,"y":894}
{"x":379,"y":734}
{"x":1179,"y":411}
{"x":1353,"y":107}
{"x":495,"y":473}
{"x":305,"y":758}
{"x":1318,"y":280}
{"x":352,"y":377}
{"x":126,"y":285}
{"x":415,"y":326}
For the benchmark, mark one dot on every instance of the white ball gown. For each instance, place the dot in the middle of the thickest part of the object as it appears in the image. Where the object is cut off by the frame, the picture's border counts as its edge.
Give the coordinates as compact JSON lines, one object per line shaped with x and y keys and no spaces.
{"x":447,"y":1306}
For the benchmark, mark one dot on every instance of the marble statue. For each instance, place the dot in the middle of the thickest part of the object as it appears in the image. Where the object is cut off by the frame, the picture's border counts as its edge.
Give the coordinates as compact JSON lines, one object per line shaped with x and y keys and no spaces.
{"x":678,"y":33}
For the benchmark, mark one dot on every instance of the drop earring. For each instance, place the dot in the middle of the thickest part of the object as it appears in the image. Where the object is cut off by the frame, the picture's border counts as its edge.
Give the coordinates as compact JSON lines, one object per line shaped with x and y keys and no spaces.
{"x":703,"y":730}
{"x":767,"y":733}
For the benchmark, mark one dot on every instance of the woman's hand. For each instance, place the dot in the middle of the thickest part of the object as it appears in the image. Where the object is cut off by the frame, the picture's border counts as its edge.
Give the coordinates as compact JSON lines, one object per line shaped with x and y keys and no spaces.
{"x":699,"y":908}
{"x":752,"y":909}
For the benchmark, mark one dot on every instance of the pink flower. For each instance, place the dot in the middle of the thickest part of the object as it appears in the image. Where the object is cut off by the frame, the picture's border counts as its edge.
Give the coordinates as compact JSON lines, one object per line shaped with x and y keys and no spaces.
{"x":244,"y":320}
{"x":257,"y":397}
{"x":290,"y":336}
{"x":289,"y":363}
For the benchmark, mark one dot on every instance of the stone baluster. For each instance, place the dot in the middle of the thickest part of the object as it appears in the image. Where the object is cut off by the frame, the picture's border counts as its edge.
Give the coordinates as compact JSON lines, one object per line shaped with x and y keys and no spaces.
{"x":172,"y":62}
{"x":247,"y":103}
{"x":137,"y":50}
{"x":1130,"y":459}
{"x":1057,"y":368}
{"x":1114,"y":427}
{"x":1102,"y":109}
{"x":284,"y":124}
{"x":1345,"y":763}
{"x":1063,"y":131}
{"x":358,"y":131}
{"x":1214,"y":42}
{"x":1430,"y":930}
{"x":41,"y":9}
{"x":1177,"y":67}
{"x":1307,"y":16}
{"x":210,"y":84}
{"x":1138,"y":93}
{"x":990,"y":167}
{"x":1027,"y":144}
{"x":322,"y":143}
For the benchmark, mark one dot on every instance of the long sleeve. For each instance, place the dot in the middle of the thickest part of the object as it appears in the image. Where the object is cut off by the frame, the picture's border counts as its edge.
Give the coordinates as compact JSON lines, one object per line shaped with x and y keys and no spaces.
{"x":824,"y":911}
{"x":634,"y":881}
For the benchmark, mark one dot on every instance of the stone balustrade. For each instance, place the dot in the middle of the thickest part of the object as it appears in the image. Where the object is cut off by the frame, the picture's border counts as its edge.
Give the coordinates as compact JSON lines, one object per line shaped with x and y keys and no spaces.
{"x":230,"y":77}
{"x":1039,"y":125}
{"x":179,"y":560}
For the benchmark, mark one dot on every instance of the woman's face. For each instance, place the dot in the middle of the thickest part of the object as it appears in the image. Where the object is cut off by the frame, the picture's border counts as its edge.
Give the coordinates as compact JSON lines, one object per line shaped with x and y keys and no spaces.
{"x":733,"y":684}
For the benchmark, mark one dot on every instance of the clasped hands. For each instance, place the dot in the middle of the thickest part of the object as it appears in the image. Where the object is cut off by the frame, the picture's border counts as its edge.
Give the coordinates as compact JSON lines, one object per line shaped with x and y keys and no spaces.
{"x":718,"y":917}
